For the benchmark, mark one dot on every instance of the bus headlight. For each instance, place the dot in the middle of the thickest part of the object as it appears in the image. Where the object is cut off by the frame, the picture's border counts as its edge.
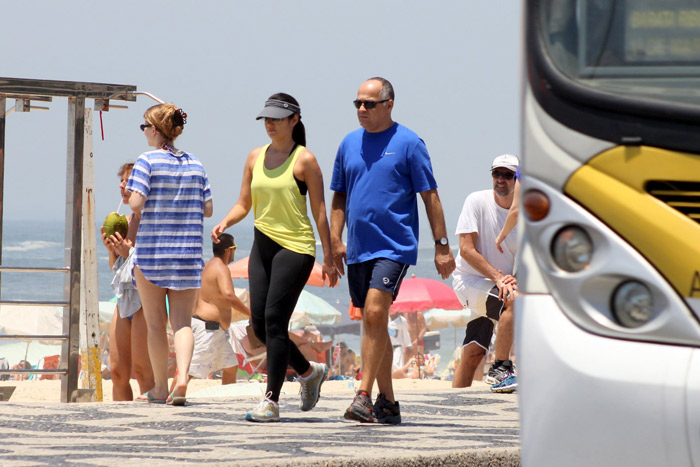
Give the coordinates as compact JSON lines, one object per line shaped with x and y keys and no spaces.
{"x":572,"y":249}
{"x":632,"y":304}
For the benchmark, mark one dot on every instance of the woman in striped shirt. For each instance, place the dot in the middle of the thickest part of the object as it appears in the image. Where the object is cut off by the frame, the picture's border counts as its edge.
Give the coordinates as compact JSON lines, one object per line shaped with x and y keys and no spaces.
{"x":171,"y":195}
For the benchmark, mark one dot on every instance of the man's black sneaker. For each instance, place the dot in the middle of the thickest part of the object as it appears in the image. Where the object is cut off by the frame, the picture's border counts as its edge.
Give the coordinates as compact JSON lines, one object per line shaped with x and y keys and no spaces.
{"x":386,"y":412}
{"x":497,"y":374}
{"x":361,"y":408}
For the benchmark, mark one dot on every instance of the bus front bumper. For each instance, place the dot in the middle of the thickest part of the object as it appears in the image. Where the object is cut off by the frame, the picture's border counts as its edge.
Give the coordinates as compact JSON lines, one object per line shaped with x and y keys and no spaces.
{"x":588,"y":400}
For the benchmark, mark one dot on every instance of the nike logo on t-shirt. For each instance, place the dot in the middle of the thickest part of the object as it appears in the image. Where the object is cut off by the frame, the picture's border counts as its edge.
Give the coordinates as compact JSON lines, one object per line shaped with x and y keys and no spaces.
{"x":389,"y":153}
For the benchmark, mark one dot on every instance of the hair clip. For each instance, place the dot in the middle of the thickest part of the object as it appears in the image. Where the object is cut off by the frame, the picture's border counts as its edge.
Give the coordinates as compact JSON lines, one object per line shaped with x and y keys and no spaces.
{"x":179,"y":117}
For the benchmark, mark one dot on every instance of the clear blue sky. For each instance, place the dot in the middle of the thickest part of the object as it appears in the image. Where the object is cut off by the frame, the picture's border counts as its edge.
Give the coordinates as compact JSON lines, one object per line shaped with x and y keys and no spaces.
{"x":455,"y":67}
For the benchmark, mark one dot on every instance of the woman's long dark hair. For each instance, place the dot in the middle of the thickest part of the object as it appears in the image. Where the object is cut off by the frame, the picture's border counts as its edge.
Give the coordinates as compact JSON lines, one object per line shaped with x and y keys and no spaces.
{"x":298,"y":132}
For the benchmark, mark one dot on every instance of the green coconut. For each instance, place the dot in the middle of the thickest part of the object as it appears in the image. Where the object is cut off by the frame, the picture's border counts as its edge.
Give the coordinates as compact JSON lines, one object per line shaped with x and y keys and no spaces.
{"x":115,"y":223}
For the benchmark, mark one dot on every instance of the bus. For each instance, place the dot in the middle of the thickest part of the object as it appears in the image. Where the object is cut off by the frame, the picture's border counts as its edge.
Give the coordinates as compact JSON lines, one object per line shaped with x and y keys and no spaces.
{"x":608,"y":317}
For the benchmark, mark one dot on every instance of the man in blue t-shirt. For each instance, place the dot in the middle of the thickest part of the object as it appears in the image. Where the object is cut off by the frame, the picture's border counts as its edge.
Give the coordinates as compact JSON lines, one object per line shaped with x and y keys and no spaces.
{"x":378,"y":171}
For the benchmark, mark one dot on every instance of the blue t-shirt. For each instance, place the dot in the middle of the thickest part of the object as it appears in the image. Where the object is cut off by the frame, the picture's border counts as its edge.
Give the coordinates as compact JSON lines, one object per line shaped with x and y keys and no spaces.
{"x":381,"y":174}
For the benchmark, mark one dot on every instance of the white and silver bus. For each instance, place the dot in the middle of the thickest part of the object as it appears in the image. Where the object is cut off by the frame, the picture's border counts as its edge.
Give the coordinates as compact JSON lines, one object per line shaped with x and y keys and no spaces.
{"x":608,"y":321}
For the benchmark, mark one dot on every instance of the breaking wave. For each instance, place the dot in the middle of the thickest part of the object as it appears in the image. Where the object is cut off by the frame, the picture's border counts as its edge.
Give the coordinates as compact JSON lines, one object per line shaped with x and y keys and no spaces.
{"x":31,"y":245}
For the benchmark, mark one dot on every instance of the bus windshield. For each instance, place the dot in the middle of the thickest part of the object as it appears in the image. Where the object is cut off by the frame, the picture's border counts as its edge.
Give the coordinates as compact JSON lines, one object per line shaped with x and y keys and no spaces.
{"x":637,"y":48}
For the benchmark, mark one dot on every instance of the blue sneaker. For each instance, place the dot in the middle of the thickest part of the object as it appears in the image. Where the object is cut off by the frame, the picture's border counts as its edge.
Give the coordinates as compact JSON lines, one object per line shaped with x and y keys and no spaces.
{"x":497,"y":374}
{"x":508,"y":385}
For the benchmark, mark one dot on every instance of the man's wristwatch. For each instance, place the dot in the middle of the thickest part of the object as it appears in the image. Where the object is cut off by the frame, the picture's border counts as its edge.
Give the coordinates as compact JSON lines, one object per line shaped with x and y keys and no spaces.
{"x":441,"y":241}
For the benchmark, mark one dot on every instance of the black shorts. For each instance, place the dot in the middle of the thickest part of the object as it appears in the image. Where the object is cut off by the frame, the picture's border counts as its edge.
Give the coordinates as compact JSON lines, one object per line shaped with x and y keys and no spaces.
{"x":379,"y":273}
{"x":480,"y":330}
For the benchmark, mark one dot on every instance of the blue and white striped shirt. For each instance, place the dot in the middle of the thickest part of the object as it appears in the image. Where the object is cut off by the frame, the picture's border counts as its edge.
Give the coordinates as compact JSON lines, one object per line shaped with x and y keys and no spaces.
{"x":169,"y":239}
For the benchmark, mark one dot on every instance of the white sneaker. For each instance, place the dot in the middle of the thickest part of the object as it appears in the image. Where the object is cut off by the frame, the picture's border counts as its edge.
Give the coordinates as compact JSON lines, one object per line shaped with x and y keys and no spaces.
{"x":266,"y":411}
{"x":311,"y":388}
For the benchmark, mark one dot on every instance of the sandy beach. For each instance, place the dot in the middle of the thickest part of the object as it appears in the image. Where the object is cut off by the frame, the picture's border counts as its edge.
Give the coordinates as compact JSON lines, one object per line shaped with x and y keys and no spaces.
{"x":50,"y":391}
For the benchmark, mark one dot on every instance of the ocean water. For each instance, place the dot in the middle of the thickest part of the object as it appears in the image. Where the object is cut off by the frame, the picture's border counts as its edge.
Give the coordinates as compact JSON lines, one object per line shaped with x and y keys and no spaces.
{"x":41,"y":244}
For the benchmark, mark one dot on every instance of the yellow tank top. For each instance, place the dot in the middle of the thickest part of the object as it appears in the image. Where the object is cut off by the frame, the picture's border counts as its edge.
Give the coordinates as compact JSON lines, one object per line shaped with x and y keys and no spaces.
{"x":279,"y":207}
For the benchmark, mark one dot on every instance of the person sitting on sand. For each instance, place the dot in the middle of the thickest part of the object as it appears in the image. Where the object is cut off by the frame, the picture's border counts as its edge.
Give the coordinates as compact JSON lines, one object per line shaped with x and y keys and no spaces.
{"x":417,"y":367}
{"x":348,"y":367}
{"x":22,"y":365}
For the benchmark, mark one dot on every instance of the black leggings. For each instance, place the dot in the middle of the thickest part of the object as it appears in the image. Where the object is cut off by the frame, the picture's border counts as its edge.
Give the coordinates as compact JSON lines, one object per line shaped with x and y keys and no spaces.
{"x":276,"y":278}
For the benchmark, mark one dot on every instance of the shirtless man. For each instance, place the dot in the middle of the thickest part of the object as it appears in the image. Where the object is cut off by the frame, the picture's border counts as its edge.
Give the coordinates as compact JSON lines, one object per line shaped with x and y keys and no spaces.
{"x":212,"y":316}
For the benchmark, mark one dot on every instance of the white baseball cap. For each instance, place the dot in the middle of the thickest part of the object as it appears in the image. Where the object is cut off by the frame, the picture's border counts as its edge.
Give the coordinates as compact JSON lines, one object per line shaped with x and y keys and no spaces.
{"x":507,"y":161}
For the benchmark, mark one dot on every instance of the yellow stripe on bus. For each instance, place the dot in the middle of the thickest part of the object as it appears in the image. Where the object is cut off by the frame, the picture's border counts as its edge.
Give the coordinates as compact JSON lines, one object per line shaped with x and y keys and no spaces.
{"x":612,"y":186}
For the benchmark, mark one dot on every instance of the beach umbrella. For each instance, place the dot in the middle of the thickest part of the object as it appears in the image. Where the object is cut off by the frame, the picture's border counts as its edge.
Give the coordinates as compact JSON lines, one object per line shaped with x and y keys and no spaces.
{"x":30,"y":320}
{"x":437,"y":318}
{"x":37,"y":320}
{"x":418,"y":294}
{"x":239,"y":270}
{"x":313,"y":310}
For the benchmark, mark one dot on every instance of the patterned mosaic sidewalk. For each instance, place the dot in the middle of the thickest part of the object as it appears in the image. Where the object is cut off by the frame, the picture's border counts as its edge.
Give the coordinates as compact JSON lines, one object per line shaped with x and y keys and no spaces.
{"x":445,"y":427}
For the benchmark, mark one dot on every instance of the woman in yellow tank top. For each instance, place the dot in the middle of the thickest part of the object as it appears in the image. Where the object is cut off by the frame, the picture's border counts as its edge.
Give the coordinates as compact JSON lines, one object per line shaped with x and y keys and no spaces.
{"x":276,"y":179}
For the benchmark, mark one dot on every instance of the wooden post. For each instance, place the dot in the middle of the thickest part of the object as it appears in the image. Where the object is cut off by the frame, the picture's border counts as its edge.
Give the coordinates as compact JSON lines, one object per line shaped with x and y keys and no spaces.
{"x":90,"y":351}
{"x":2,"y":174}
{"x":70,"y":350}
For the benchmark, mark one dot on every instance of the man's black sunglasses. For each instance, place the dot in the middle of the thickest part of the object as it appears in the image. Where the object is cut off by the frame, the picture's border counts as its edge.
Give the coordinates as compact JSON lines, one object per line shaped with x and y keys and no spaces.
{"x":368,"y":104}
{"x":504,"y":175}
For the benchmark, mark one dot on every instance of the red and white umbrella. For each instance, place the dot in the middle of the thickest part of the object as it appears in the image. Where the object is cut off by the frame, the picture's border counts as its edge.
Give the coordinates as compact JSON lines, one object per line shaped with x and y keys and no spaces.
{"x":418,"y":294}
